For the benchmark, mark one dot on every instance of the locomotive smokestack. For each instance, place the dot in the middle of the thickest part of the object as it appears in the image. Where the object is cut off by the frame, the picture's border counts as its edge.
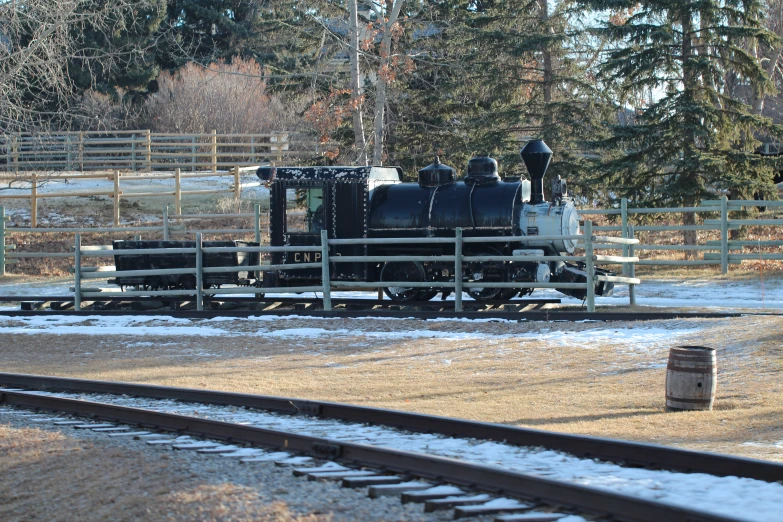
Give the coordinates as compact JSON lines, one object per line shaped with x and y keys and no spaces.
{"x":536,"y":156}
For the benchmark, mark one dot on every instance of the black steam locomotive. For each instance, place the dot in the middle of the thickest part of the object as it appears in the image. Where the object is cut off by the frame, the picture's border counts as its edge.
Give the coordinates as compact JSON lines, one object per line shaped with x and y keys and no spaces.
{"x":372,"y":202}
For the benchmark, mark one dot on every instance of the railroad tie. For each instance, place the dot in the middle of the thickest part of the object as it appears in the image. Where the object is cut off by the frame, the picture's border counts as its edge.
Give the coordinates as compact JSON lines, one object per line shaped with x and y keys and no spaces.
{"x":530,"y":517}
{"x":275,"y":456}
{"x":454,"y":501}
{"x":375,"y":480}
{"x":384,"y":490}
{"x":497,"y":505}
{"x":430,"y":494}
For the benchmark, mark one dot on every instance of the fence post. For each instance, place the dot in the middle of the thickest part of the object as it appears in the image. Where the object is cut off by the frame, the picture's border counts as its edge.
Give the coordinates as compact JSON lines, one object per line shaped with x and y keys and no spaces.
{"x":178,"y":191}
{"x":458,"y":269}
{"x":253,"y":150}
{"x":624,"y":227}
{"x":166,"y":223}
{"x":631,"y":269}
{"x":148,"y":149}
{"x":214,"y":150}
{"x":280,"y":148}
{"x":193,"y":154}
{"x":77,"y":271}
{"x":589,"y":266}
{"x":133,"y":152}
{"x":257,"y":221}
{"x":327,"y":284}
{"x":34,"y":201}
{"x":68,"y":140}
{"x":237,"y":187}
{"x":81,"y":151}
{"x":2,"y":241}
{"x":15,"y":153}
{"x":724,"y":235}
{"x":116,"y":198}
{"x":199,"y":274}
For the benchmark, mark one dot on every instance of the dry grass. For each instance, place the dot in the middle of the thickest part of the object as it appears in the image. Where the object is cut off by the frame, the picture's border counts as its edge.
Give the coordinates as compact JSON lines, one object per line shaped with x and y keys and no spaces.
{"x":48,"y":476}
{"x":607,"y":388}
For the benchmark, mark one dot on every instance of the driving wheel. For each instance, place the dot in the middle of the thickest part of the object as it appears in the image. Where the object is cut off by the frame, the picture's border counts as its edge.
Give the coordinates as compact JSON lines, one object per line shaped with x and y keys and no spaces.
{"x":405,"y":271}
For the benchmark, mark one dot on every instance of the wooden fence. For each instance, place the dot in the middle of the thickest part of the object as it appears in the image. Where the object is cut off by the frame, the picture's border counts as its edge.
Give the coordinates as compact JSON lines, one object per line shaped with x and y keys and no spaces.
{"x":720,"y":252}
{"x":145,"y":151}
{"x":587,"y":240}
{"x":117,"y":193}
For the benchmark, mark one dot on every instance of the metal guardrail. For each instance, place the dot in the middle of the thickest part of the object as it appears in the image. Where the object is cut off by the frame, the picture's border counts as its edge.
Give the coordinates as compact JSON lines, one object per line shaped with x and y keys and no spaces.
{"x":587,"y":239}
{"x":723,"y":224}
{"x":8,"y":255}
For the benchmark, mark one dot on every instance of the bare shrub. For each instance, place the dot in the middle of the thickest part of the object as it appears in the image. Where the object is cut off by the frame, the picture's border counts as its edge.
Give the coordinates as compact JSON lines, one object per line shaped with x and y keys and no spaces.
{"x":101,"y":112}
{"x":227,"y":97}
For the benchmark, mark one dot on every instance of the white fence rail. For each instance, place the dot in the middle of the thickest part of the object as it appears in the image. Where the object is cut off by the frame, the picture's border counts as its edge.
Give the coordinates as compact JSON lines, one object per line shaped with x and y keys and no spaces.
{"x":716,"y":253}
{"x":326,"y":286}
{"x":9,"y":255}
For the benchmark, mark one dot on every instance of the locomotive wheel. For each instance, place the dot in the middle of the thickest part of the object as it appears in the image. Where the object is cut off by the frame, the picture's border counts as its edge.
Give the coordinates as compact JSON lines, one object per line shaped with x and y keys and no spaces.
{"x":186,"y":282}
{"x":426,"y":295}
{"x":484,"y":294}
{"x":488,"y":294}
{"x":405,"y":271}
{"x":153,"y":283}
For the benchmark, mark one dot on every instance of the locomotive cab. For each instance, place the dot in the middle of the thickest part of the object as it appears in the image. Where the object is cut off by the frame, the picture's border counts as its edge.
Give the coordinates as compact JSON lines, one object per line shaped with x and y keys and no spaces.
{"x":306,"y":200}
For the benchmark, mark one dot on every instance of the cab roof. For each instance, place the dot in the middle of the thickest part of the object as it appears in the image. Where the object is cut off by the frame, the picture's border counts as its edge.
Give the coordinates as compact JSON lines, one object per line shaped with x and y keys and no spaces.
{"x":330,"y":173}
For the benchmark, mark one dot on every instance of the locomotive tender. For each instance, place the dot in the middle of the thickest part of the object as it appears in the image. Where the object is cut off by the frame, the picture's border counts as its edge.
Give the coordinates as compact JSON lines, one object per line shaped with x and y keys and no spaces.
{"x":372,"y":202}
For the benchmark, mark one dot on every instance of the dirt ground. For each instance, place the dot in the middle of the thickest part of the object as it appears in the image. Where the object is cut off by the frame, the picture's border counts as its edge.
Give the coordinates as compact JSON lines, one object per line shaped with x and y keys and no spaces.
{"x":590,"y":378}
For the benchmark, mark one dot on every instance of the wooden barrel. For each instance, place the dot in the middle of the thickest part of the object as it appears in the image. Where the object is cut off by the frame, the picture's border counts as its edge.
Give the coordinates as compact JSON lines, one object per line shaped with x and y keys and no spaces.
{"x":691,"y":378}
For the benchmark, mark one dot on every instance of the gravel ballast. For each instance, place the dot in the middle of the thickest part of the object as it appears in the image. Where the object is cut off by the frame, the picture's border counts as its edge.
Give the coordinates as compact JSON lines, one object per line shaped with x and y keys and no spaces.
{"x":60,"y":473}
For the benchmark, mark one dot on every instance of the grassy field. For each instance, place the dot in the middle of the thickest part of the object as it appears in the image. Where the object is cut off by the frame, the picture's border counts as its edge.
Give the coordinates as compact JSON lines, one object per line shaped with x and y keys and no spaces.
{"x":591,"y":378}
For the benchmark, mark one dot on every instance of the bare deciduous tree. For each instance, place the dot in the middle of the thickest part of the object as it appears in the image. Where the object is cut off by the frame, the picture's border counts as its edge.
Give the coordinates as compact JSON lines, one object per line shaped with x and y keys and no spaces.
{"x":356,"y":86}
{"x":385,"y":75}
{"x":38,"y":40}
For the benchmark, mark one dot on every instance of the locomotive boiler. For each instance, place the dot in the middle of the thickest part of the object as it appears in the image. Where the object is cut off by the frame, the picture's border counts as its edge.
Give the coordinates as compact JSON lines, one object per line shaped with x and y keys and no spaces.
{"x":372,"y":202}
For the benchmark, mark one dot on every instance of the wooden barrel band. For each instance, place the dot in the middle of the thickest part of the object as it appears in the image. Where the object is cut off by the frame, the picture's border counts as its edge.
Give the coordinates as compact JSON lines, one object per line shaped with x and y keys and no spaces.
{"x":681,"y":369}
{"x":690,"y":401}
{"x":691,"y":358}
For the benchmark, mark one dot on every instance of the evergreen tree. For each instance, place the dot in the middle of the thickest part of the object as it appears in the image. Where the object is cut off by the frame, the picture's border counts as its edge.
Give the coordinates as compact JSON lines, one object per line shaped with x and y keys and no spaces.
{"x":495,"y":74}
{"x":692,"y":137}
{"x":120,"y":55}
{"x":207,"y":30}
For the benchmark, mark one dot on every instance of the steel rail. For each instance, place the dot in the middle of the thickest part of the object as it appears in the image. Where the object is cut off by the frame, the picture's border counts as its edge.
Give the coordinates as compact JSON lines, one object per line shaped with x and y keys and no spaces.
{"x":619,"y":451}
{"x":599,"y":501}
{"x":283,"y":300}
{"x":545,"y":315}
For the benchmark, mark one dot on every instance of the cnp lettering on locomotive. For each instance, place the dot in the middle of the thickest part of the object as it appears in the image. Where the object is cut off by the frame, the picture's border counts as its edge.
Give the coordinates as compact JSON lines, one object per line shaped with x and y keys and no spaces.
{"x":307,"y":257}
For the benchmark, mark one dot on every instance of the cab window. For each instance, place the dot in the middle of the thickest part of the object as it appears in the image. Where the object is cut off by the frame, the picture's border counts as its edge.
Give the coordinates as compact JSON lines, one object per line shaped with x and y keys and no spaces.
{"x":305,"y":210}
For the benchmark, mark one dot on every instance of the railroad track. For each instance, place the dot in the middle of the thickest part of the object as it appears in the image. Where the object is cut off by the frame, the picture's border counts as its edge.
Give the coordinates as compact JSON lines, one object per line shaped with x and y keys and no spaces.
{"x":521,"y":309}
{"x":364,"y":447}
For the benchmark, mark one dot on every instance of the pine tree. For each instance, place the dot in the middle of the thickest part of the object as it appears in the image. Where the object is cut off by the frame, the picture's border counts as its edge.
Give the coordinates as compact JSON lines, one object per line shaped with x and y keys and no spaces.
{"x":495,"y":74}
{"x":207,"y":30}
{"x":693,"y":137}
{"x":121,"y":54}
